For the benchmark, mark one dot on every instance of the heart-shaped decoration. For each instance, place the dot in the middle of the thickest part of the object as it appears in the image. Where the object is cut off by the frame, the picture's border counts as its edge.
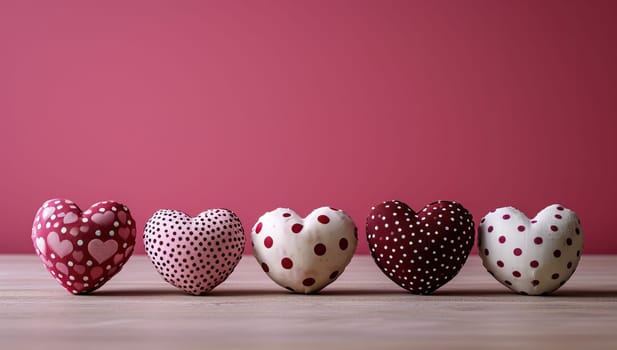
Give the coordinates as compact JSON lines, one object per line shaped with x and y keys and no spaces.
{"x":194,"y":254}
{"x":534,"y":256}
{"x":81,"y":252}
{"x":304,"y":254}
{"x":420,"y":252}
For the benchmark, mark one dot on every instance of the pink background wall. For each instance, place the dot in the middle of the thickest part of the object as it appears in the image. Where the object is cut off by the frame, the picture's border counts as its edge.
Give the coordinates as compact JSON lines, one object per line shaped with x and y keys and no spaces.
{"x":253,"y":105}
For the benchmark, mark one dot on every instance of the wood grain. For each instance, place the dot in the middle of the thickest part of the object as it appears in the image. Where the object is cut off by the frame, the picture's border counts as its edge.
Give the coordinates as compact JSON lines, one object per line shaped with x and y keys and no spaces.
{"x":362,"y":310}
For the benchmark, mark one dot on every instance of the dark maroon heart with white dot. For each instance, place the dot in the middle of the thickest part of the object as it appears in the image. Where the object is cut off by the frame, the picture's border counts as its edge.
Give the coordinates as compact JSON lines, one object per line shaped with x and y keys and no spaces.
{"x":420,"y":252}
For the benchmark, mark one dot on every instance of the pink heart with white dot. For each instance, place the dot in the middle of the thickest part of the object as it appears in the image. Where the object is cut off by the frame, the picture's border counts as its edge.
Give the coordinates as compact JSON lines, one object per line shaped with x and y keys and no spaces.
{"x":304,"y":255}
{"x":531,"y":257}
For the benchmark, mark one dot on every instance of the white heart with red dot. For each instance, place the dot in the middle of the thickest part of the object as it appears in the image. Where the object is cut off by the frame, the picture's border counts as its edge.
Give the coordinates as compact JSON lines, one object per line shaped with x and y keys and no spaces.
{"x":304,"y":255}
{"x":532,"y":257}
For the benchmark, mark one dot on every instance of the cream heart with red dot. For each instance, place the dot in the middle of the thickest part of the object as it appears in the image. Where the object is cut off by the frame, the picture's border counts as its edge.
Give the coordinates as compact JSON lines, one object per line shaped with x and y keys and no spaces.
{"x":304,"y":255}
{"x":83,"y":250}
{"x":531,"y":257}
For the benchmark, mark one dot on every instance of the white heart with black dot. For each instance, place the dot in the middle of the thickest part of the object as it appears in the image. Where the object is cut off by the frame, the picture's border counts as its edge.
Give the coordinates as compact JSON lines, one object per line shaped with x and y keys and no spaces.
{"x":531,"y":257}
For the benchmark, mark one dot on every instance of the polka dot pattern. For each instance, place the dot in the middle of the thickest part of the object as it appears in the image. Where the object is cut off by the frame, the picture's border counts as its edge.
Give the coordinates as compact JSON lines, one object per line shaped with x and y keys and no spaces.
{"x":420,"y":252}
{"x":287,"y":263}
{"x":319,"y":249}
{"x":195,"y":254}
{"x":324,"y":219}
{"x":304,"y":255}
{"x":537,"y":256}
{"x":83,"y":250}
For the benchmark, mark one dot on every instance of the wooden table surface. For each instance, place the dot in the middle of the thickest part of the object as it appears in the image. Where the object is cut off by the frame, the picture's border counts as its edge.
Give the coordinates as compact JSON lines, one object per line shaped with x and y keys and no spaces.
{"x":361,"y":310}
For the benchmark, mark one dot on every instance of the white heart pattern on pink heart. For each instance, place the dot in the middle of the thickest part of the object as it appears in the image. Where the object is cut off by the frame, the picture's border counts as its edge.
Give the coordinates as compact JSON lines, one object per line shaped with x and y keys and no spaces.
{"x":62,"y":248}
{"x":194,"y":254}
{"x":304,"y":255}
{"x":77,"y":247}
{"x":104,"y":218}
{"x":101,"y":251}
{"x":40,"y":244}
{"x":531,"y":257}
